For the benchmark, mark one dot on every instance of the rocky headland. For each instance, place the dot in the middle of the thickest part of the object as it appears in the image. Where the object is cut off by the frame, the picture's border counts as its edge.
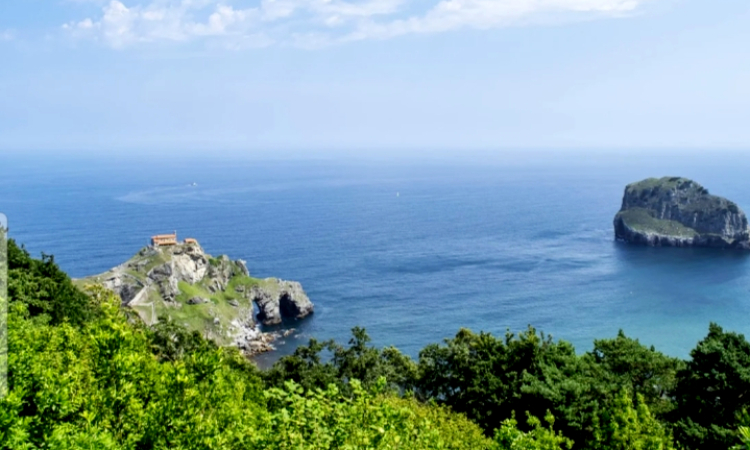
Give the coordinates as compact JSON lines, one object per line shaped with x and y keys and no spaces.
{"x":215,"y":296}
{"x":678,"y":212}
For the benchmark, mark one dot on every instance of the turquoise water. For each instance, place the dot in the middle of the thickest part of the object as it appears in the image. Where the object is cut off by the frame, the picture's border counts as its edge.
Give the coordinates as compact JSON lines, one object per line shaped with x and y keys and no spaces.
{"x":411,"y":250}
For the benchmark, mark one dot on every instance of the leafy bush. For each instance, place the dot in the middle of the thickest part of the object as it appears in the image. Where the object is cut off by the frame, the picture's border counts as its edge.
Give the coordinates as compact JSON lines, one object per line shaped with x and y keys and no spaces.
{"x":323,"y":419}
{"x":539,"y":438}
{"x":44,"y":288}
{"x":626,"y":427}
{"x":101,"y":385}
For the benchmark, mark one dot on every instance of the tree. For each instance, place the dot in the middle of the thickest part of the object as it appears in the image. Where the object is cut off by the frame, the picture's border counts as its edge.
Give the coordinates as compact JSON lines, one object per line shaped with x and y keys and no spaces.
{"x":45,"y":289}
{"x":490,"y":379}
{"x":712,"y":391}
{"x":623,"y":426}
{"x":368,"y":364}
{"x":322,"y":363}
{"x":626,"y":363}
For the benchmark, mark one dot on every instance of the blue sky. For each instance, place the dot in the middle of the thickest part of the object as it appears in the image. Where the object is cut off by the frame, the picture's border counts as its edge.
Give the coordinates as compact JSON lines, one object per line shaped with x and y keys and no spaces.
{"x":236,"y":75}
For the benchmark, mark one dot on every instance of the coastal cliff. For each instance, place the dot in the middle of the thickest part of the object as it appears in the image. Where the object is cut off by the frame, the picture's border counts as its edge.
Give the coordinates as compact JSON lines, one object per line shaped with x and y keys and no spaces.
{"x":678,"y":212}
{"x":214,"y":296}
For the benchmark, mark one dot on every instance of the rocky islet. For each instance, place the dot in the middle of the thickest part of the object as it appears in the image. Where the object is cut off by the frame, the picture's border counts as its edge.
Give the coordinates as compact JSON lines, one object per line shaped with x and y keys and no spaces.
{"x":679,"y":212}
{"x":214,"y":296}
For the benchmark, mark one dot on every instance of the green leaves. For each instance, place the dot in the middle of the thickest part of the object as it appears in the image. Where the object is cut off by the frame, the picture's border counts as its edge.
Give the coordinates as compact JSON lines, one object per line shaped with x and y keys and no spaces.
{"x":320,"y":364}
{"x":623,"y":426}
{"x":713,"y":390}
{"x":324,"y":419}
{"x":44,"y":288}
{"x":101,"y":387}
{"x":490,"y":379}
{"x":508,"y":437}
{"x":641,"y":370}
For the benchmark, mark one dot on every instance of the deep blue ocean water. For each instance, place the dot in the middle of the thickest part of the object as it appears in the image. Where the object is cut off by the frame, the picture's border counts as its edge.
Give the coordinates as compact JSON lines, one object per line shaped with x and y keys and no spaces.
{"x":410,"y":249}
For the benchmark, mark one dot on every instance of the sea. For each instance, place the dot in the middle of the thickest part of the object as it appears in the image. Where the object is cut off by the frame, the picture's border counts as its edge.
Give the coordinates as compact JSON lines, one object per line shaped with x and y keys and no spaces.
{"x":411,"y":247}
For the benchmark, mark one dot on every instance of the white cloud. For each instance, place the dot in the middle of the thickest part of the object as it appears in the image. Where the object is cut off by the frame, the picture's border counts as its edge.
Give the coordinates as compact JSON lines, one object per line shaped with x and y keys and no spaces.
{"x":448,"y":15}
{"x":7,"y":35}
{"x":222,"y":21}
{"x":120,"y":25}
{"x":280,"y":9}
{"x":315,"y":23}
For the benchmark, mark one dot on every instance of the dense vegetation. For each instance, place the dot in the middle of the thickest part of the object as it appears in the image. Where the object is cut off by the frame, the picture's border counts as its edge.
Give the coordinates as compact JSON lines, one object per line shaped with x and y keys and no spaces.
{"x":83,"y":374}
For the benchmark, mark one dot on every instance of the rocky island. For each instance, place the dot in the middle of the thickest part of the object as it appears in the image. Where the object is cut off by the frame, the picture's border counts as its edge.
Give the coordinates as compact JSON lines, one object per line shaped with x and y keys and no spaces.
{"x":214,"y":296}
{"x":678,"y":212}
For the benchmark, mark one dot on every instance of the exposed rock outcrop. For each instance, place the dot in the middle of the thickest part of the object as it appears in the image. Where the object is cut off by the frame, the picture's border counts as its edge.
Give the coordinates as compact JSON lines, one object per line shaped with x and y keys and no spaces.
{"x":189,"y":263}
{"x":278,"y":298}
{"x":127,"y":287}
{"x":678,"y":212}
{"x":197,"y":301}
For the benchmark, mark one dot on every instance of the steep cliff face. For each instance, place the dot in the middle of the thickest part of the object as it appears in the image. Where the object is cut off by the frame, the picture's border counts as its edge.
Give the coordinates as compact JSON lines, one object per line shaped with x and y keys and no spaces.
{"x":679,"y":212}
{"x":214,"y":296}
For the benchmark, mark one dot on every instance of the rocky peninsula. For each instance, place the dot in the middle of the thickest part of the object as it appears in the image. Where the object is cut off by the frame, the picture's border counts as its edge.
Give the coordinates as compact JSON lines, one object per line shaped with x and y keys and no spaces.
{"x":678,"y":212}
{"x":214,"y":296}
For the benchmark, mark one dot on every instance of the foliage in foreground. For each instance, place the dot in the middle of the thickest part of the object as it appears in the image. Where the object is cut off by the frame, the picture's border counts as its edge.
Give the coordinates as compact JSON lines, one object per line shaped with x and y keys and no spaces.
{"x":490,"y":379}
{"x":101,"y":386}
{"x":322,"y":419}
{"x":626,"y":426}
{"x":539,"y":438}
{"x":493,"y":380}
{"x":44,"y":288}
{"x":713,"y":391}
{"x":84,"y":375}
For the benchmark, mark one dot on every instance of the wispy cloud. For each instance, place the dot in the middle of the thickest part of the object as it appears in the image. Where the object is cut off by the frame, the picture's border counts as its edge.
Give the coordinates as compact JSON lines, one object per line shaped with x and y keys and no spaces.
{"x":120,"y":25}
{"x":7,"y":35}
{"x":315,"y":23}
{"x":449,"y":15}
